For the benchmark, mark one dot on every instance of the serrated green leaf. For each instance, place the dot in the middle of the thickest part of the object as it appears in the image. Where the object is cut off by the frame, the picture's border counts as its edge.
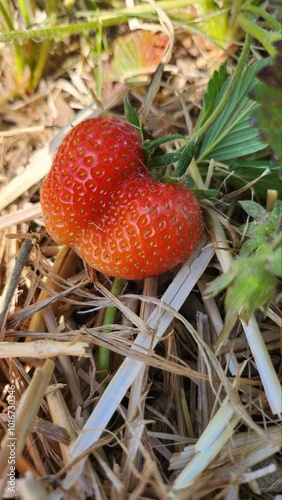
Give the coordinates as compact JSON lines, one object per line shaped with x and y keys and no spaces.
{"x":132,"y":117}
{"x":268,"y":116}
{"x":213,"y":88}
{"x":250,"y":285}
{"x":262,"y":231}
{"x":162,"y":140}
{"x":231,"y":136}
{"x":253,"y":287}
{"x":185,"y":158}
{"x":163,"y":160}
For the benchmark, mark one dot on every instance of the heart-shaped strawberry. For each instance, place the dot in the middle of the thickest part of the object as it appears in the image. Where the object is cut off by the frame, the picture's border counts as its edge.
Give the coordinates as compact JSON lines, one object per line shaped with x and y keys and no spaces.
{"x":100,"y":199}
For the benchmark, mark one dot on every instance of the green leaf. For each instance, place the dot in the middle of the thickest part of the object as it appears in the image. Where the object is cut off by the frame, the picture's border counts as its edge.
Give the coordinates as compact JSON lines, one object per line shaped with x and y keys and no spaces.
{"x":250,"y":286}
{"x":213,"y":88}
{"x":261,"y":232}
{"x":254,"y":209}
{"x":188,"y":182}
{"x":132,"y":117}
{"x":220,"y":283}
{"x":231,"y":136}
{"x":246,"y":171}
{"x":163,"y":160}
{"x":274,"y":262}
{"x":148,"y":145}
{"x":206,"y":194}
{"x":185,"y":158}
{"x":268,"y":116}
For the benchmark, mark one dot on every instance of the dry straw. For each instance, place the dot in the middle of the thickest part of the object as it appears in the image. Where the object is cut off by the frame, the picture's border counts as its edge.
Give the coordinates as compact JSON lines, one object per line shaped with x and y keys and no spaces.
{"x":186,"y":410}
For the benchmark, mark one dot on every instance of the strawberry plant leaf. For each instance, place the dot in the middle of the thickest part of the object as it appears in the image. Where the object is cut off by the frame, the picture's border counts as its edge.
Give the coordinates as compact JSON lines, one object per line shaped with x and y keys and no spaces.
{"x":163,"y":160}
{"x":251,"y":281}
{"x":252,"y":288}
{"x":274,"y":262}
{"x":246,"y":172}
{"x":149,"y":145}
{"x":132,"y":117}
{"x":213,"y":88}
{"x":185,"y":158}
{"x":231,"y":136}
{"x":206,"y":194}
{"x":268,"y":117}
{"x":253,"y":209}
{"x":250,"y":285}
{"x":261,"y":232}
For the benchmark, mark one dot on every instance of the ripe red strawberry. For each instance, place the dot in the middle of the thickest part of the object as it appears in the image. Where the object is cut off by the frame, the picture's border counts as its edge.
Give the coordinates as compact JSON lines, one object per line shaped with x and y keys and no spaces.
{"x":101,"y":200}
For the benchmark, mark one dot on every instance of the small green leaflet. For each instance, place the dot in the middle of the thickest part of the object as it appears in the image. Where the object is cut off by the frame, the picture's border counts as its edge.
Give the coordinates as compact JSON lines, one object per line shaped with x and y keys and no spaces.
{"x":232,"y":136}
{"x":214,"y":86}
{"x":250,"y":285}
{"x":185,"y":158}
{"x":161,"y":140}
{"x":261,"y":232}
{"x":251,"y":281}
{"x":132,"y":117}
{"x":268,"y":116}
{"x":206,"y":194}
{"x":163,"y":160}
{"x":274,"y":262}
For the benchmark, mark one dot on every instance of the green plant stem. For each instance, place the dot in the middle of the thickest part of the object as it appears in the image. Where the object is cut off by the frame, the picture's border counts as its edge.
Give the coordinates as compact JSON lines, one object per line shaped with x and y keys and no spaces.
{"x":24,"y":12}
{"x":265,"y":15}
{"x":103,"y":18}
{"x":41,"y":62}
{"x":195,"y":174}
{"x":215,"y":18}
{"x":51,"y":9}
{"x":235,"y":31}
{"x":6,"y":17}
{"x":99,"y":70}
{"x":19,"y":59}
{"x":242,"y":63}
{"x":266,"y":38}
{"x":103,"y":363}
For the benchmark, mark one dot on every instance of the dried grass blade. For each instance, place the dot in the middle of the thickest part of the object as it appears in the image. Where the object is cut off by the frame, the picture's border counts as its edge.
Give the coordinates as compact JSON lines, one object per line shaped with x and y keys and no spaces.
{"x":24,"y":215}
{"x":175,"y":295}
{"x":271,"y":383}
{"x":41,"y":349}
{"x":30,"y":488}
{"x":27,"y":411}
{"x":265,"y":367}
{"x":63,"y":267}
{"x":13,"y":282}
{"x":37,"y":168}
{"x":207,"y":447}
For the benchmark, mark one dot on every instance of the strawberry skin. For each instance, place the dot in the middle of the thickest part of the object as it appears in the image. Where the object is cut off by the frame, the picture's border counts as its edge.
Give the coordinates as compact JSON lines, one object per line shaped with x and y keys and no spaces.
{"x":94,"y":156}
{"x":101,"y":200}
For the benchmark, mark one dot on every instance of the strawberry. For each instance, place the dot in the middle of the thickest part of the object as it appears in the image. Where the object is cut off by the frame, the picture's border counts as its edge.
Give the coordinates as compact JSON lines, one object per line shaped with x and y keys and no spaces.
{"x":100,"y":199}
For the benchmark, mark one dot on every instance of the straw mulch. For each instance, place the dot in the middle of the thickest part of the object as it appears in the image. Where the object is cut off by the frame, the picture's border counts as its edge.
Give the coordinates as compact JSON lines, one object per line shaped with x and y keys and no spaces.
{"x":178,"y":415}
